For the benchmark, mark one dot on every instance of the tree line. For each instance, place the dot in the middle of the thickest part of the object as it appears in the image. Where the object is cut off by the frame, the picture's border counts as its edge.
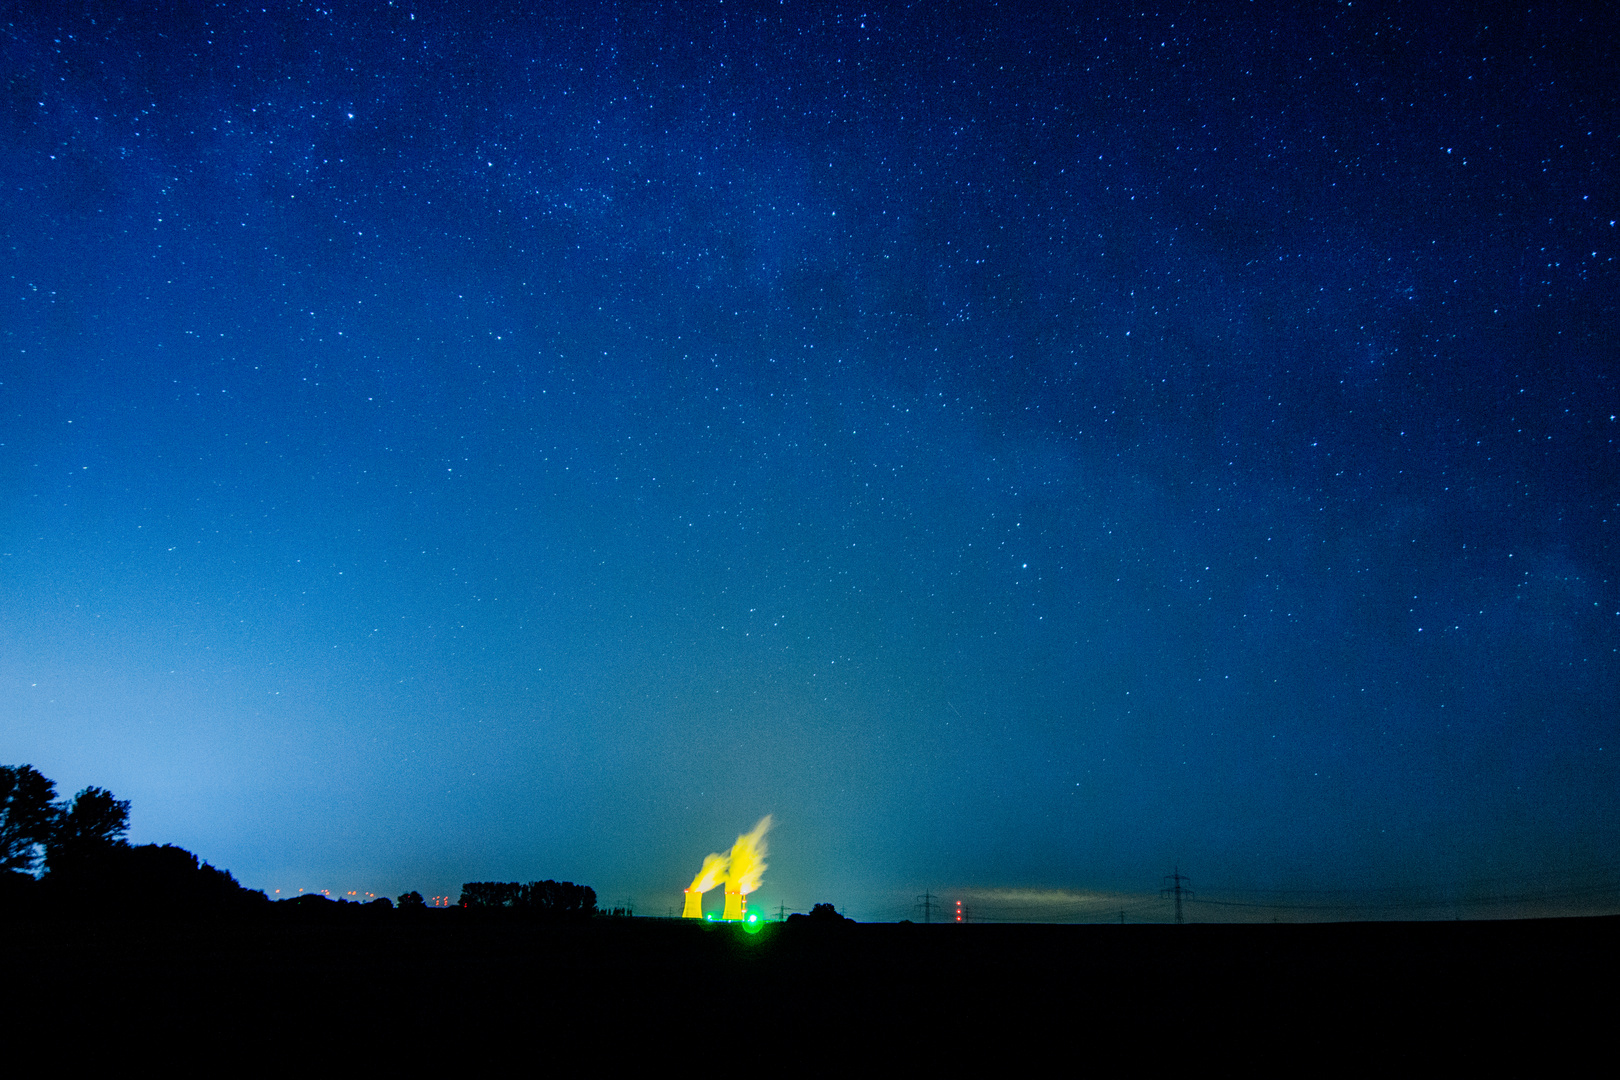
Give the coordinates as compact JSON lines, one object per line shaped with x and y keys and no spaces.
{"x":87,"y":863}
{"x":541,"y":899}
{"x":72,"y":856}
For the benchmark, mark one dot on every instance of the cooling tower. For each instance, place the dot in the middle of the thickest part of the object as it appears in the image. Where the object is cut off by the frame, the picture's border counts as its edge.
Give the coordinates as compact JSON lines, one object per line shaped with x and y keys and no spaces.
{"x":734,"y":906}
{"x":694,"y":905}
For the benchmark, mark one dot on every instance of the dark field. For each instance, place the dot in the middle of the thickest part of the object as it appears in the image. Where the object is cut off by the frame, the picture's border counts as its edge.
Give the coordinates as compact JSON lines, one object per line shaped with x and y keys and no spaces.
{"x":440,"y":986}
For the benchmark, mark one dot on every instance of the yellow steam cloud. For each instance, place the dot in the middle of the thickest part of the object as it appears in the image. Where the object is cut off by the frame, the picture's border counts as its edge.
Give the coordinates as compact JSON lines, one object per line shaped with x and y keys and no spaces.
{"x":712,"y":874}
{"x":747,"y":866}
{"x":747,"y":861}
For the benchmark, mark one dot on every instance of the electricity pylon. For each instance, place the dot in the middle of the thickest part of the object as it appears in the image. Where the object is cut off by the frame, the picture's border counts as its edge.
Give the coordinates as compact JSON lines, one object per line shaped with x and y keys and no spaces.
{"x":1177,"y":888}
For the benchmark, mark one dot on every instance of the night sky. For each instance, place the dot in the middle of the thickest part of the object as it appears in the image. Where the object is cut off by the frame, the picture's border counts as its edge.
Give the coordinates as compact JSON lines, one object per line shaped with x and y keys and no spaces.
{"x":1023,"y":451}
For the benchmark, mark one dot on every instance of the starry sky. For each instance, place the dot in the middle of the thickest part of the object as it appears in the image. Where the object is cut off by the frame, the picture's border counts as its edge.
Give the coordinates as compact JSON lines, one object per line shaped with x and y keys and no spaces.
{"x":1024,"y":450}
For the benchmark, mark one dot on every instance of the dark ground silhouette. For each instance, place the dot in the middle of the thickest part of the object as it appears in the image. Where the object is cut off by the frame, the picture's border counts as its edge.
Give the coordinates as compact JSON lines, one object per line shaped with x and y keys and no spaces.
{"x":1322,"y":998}
{"x":146,"y":952}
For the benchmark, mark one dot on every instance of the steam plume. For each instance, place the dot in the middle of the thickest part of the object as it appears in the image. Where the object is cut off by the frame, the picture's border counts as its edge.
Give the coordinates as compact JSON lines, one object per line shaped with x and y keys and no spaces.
{"x":747,"y":863}
{"x":746,"y":867}
{"x":712,"y":874}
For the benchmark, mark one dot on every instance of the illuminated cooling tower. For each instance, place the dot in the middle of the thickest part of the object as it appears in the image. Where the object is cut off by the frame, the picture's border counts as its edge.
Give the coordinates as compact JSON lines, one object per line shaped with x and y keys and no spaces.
{"x":712,"y":874}
{"x":734,"y":906}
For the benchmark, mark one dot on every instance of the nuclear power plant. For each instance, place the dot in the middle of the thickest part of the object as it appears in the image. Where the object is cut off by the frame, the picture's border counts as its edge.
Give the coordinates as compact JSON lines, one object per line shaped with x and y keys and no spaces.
{"x":741,"y":870}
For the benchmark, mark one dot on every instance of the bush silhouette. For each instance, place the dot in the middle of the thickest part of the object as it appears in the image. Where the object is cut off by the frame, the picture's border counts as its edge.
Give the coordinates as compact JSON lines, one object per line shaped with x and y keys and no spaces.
{"x":820,"y":915}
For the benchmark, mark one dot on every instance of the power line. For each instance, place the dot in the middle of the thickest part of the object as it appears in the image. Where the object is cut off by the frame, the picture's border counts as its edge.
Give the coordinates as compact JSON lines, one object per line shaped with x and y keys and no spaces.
{"x":1543,"y":894}
{"x":1415,"y":904}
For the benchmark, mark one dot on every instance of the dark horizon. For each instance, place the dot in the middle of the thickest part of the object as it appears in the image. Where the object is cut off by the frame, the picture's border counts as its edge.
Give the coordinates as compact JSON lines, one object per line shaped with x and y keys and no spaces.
{"x":1025,"y":453}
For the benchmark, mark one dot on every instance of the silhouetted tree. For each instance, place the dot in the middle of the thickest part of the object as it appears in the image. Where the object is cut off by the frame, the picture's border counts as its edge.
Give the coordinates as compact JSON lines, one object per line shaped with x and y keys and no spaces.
{"x":491,"y":895}
{"x":27,"y":813}
{"x":95,"y":824}
{"x":90,"y":867}
{"x":412,"y":901}
{"x":559,"y":899}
